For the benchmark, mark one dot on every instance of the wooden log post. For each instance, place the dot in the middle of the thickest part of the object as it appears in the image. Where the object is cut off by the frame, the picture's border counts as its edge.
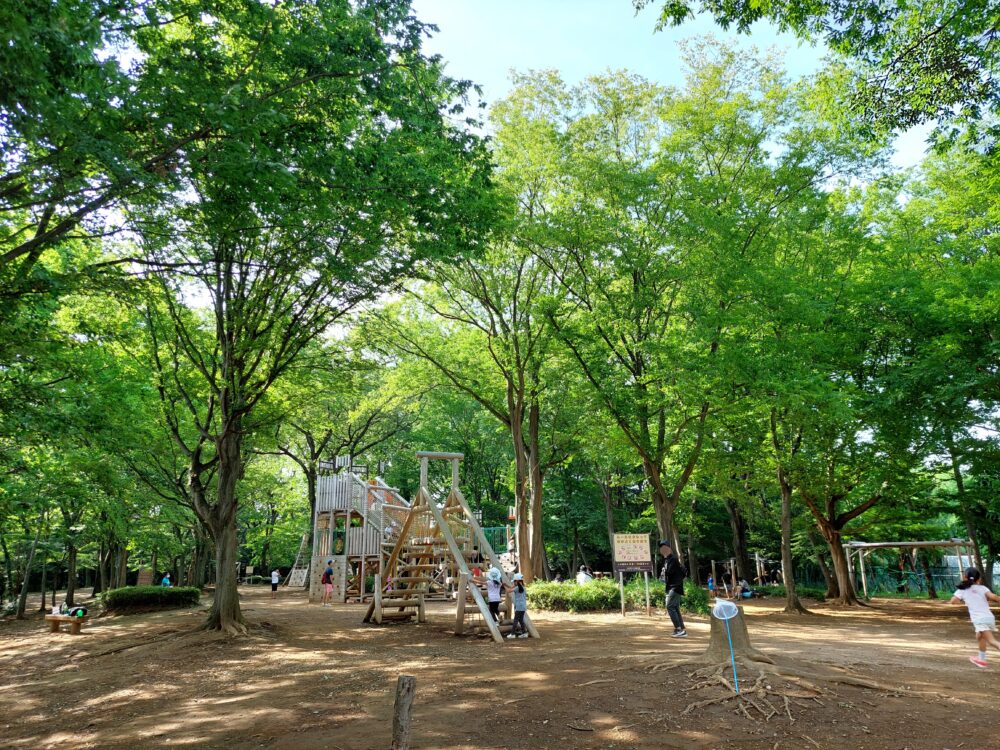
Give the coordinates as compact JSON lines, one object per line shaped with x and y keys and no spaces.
{"x":406,"y":687}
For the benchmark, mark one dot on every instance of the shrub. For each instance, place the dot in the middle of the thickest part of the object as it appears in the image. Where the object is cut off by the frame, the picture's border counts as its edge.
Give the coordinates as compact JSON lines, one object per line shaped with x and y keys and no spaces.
{"x":150,"y":597}
{"x":695,"y":599}
{"x":602,"y":595}
{"x":804,"y":592}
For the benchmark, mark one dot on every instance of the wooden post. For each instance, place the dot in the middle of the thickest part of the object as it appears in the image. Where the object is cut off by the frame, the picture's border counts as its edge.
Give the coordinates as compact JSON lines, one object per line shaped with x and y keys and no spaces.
{"x":621,"y":588}
{"x":463,"y":592}
{"x":377,"y":601}
{"x":715,"y":578}
{"x":406,"y":687}
{"x":864,"y":574}
{"x":645,"y":578}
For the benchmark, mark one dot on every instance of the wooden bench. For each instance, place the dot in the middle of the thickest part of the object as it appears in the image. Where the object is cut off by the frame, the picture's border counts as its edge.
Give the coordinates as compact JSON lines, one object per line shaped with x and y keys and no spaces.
{"x":75,"y":623}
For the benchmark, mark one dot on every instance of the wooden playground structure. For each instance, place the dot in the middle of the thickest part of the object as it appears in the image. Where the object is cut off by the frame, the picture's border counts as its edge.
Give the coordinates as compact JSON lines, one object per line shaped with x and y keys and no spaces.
{"x":410,"y":553}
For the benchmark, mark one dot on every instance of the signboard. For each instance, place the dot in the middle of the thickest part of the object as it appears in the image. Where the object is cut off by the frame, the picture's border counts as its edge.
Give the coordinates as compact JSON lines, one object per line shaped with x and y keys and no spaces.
{"x":632,"y":553}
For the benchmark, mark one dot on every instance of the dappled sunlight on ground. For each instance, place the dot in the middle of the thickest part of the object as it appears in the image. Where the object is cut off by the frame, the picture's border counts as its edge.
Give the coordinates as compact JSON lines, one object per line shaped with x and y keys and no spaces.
{"x":311,"y":677}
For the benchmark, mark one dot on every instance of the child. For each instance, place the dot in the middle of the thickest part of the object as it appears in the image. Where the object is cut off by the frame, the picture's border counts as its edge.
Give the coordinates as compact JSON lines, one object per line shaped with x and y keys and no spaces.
{"x":327,"y":581}
{"x":711,"y":587}
{"x":494,"y":589}
{"x":977,"y":598}
{"x":520,"y":607}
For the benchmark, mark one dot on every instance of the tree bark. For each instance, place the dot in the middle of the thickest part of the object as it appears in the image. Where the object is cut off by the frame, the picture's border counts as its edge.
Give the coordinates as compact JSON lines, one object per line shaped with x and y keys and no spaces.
{"x":832,"y":589}
{"x":45,"y":570}
{"x":22,"y":600}
{"x":225,"y":613}
{"x":521,"y":503}
{"x":841,"y":569}
{"x":792,"y":603}
{"x":71,"y":554}
{"x":738,"y":526}
{"x":931,"y":588}
{"x":970,"y":526}
{"x":718,"y":643}
{"x":536,"y":476}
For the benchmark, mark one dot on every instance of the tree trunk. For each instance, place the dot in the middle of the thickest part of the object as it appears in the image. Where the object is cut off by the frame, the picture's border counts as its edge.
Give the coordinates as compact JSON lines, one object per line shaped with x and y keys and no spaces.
{"x":970,"y":526}
{"x":792,"y":603}
{"x":832,"y":589}
{"x":45,"y":567}
{"x":101,"y":584}
{"x":71,"y":553}
{"x":536,"y":476}
{"x":841,"y":569}
{"x":663,"y":505}
{"x":718,"y":643}
{"x":122,"y":574}
{"x":225,"y":614}
{"x":8,"y":566}
{"x":22,"y":600}
{"x":521,"y":510}
{"x":609,"y":514}
{"x":931,"y":588}
{"x":738,"y":526}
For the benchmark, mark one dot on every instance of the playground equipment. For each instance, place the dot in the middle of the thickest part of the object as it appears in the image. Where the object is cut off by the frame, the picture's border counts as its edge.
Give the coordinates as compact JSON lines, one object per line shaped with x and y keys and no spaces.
{"x":434,"y":543}
{"x":355,"y":522}
{"x":860,"y":551}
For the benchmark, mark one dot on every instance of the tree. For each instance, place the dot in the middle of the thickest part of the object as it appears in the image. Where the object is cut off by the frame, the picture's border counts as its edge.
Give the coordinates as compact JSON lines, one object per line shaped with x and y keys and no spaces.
{"x":915,"y":62}
{"x":348,"y":175}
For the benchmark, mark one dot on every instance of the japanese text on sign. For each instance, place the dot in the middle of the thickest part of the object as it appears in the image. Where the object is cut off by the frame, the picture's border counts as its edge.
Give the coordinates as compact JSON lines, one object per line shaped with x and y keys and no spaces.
{"x":632,"y":553}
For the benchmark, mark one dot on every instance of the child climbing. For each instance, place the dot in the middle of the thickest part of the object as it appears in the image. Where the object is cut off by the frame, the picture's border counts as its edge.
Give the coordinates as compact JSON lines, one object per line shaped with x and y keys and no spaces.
{"x":494,"y":591}
{"x":520,"y":607}
{"x":977,"y":598}
{"x":327,"y":581}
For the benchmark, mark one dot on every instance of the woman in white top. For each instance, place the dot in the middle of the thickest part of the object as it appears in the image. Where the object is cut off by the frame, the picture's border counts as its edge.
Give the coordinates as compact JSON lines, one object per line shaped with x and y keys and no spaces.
{"x":977,"y":598}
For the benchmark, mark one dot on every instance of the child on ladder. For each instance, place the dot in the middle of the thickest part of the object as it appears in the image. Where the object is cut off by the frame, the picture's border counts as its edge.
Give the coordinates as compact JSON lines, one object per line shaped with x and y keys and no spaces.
{"x":494,"y":592}
{"x":977,"y":598}
{"x":520,"y":607}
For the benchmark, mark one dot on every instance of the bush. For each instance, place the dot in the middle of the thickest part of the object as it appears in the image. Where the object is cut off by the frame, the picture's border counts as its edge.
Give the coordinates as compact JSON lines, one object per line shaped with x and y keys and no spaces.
{"x":804,"y":592}
{"x":595,"y":596}
{"x":695,"y":599}
{"x":601,"y":595}
{"x":150,"y":597}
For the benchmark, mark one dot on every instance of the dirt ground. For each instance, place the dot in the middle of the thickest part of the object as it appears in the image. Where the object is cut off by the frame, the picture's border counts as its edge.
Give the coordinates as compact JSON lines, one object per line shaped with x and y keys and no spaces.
{"x":308,"y":677}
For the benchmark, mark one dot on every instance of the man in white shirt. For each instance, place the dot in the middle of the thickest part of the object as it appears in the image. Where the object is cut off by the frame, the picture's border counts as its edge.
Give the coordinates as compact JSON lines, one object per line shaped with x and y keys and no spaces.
{"x":583,"y":576}
{"x":275,"y":580}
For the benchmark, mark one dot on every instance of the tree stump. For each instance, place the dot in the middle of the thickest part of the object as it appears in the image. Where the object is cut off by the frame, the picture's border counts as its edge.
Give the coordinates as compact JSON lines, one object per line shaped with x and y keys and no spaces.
{"x":718,"y":643}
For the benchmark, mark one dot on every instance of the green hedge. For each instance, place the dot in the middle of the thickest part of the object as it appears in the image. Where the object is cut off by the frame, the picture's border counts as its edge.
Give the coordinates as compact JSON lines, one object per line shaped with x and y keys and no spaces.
{"x":150,"y":597}
{"x":601,"y":595}
{"x":804,"y":592}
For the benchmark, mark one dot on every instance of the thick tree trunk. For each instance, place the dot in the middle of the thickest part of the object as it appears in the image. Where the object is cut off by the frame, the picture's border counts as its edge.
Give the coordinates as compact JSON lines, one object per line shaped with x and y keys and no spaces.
{"x":225,"y":614}
{"x":738,"y":526}
{"x":832,"y":589}
{"x":841,"y":569}
{"x":71,"y":553}
{"x":102,"y":577}
{"x":663,"y":505}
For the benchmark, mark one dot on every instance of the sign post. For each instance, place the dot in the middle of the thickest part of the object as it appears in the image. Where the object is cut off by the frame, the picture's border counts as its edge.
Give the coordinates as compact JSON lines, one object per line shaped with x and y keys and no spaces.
{"x":632,"y":555}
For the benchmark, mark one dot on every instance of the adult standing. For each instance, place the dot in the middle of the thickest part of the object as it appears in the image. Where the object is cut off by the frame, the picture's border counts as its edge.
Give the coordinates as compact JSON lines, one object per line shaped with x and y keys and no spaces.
{"x":673,"y":574}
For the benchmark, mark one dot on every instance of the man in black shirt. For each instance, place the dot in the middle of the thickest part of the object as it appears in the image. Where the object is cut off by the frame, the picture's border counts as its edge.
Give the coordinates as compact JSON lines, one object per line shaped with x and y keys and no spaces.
{"x":672,"y":574}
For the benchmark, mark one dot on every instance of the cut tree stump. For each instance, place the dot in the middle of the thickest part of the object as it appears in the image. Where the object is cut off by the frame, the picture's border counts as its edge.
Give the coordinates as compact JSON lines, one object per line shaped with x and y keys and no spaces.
{"x":718,"y":643}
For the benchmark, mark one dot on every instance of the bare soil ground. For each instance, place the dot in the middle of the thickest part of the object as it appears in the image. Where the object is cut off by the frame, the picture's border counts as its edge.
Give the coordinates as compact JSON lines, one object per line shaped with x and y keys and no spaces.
{"x":307,"y":677}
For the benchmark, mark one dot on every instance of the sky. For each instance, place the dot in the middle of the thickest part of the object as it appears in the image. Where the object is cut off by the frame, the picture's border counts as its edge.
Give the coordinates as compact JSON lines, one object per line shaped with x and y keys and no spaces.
{"x":483,"y":40}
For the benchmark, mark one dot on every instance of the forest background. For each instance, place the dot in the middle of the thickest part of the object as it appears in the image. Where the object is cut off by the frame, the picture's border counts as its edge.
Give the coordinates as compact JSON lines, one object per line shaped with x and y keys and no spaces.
{"x":238,"y":239}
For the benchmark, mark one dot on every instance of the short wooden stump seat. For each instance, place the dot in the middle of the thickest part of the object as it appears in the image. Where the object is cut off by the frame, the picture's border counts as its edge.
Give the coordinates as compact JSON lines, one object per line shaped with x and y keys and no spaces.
{"x":75,"y":623}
